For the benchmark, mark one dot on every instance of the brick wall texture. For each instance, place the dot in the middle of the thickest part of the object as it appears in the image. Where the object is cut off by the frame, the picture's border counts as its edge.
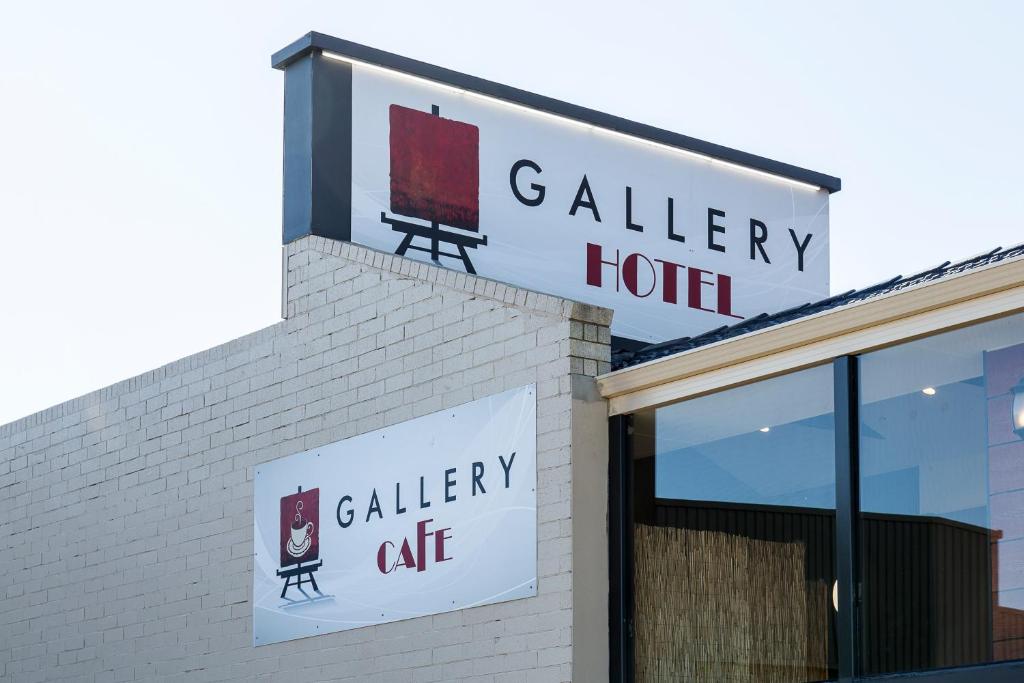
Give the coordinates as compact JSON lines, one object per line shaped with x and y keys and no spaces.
{"x":126,"y":514}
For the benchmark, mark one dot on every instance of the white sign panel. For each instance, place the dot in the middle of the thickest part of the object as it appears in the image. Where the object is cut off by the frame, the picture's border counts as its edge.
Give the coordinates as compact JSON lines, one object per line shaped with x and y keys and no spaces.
{"x":674,"y":242}
{"x":435,"y":514}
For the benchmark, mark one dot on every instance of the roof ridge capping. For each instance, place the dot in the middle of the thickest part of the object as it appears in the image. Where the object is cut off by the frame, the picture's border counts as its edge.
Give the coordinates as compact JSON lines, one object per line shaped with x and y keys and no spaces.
{"x":943,"y":271}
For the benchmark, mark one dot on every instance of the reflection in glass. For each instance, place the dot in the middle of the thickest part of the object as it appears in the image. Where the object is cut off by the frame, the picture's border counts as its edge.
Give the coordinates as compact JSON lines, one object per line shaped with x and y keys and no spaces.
{"x":942,"y":496}
{"x":734,"y":540}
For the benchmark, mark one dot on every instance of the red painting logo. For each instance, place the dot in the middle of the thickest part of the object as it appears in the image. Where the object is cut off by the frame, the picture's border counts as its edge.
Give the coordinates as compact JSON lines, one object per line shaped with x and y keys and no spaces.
{"x":300,"y":527}
{"x":435,"y":177}
{"x":435,"y":168}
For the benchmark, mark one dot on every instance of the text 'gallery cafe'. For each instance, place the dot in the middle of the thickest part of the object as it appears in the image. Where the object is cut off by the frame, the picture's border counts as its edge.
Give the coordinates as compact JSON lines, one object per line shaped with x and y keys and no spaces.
{"x":555,"y":396}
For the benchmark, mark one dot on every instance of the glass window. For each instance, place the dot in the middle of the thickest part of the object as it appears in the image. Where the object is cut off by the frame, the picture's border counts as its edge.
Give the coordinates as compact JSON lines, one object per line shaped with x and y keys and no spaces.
{"x":942,"y":500}
{"x":734,"y":536}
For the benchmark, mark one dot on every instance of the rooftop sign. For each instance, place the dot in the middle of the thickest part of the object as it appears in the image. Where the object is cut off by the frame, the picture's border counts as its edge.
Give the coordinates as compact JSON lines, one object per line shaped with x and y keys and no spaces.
{"x":676,"y":235}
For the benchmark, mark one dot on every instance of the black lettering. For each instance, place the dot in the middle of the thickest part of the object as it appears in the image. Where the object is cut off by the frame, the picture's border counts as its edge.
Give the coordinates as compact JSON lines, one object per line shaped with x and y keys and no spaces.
{"x":630,"y":225}
{"x":713,"y":228}
{"x":801,"y":247}
{"x":347,"y":522}
{"x":513,"y":176}
{"x":758,"y":236}
{"x":398,"y":499}
{"x":507,"y":467}
{"x":374,"y":507}
{"x":588,"y":204}
{"x":478,"y":474}
{"x":424,"y":503}
{"x":449,"y":482}
{"x":672,"y":221}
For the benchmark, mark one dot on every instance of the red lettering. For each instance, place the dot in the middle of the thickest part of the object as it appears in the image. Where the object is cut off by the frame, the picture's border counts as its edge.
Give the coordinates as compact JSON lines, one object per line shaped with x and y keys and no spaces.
{"x":725,"y":297}
{"x":405,"y":558}
{"x":669,"y":281}
{"x":671,"y":277}
{"x":382,"y":558}
{"x":440,"y":536}
{"x":421,"y":544}
{"x":594,"y":264}
{"x":694,"y":282}
{"x":630,"y":275}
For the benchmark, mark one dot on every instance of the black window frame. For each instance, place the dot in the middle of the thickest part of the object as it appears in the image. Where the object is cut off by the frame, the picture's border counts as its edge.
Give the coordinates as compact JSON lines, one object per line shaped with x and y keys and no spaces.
{"x":848,"y":550}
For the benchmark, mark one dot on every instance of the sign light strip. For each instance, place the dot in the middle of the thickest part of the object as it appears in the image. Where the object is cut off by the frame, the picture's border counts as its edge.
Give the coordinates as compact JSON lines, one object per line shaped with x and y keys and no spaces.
{"x":608,"y":131}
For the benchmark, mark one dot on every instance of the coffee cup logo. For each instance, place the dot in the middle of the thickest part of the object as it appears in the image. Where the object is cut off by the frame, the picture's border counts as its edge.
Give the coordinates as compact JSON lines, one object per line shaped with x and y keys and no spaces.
{"x":300,"y":519}
{"x":301,"y":533}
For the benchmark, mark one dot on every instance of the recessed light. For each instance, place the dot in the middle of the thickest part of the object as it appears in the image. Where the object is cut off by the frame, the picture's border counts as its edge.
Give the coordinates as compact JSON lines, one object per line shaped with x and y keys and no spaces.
{"x":928,"y":391}
{"x":765,"y":429}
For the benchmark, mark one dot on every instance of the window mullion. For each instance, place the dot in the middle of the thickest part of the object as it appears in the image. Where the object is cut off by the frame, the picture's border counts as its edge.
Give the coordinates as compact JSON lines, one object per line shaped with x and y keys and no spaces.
{"x":620,"y":521}
{"x":847,"y":428}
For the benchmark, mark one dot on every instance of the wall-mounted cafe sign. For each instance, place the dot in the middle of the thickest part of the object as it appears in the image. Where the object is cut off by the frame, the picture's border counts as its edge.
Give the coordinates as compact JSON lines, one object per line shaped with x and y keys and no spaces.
{"x":431,"y":515}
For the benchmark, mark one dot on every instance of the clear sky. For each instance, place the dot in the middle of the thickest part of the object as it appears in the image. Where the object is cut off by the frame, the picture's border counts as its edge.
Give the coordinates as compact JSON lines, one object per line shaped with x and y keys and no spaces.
{"x":140,"y":142}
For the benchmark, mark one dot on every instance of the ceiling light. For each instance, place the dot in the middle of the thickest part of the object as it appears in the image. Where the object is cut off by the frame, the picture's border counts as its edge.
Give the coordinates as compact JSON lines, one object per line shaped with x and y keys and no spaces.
{"x":765,"y":429}
{"x":928,"y":391}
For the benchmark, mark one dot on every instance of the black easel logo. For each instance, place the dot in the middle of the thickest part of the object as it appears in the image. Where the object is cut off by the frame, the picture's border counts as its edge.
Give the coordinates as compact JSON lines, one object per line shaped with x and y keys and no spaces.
{"x":435,"y":176}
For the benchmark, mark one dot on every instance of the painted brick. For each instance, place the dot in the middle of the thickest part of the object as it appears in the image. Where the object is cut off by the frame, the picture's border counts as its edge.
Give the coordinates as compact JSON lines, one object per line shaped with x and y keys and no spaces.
{"x":125,"y":514}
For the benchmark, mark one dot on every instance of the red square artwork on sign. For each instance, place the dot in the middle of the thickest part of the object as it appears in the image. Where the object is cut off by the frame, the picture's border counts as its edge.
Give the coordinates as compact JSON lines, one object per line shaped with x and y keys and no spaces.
{"x":435,"y":168}
{"x":300,"y":527}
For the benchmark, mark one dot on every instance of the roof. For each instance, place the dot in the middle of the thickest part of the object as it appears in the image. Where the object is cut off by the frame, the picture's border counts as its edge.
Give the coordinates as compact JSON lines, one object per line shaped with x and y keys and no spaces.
{"x":623,"y":358}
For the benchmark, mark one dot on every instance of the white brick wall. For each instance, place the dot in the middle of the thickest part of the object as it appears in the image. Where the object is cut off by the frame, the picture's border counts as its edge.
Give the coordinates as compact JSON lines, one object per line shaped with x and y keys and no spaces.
{"x":126,"y":514}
